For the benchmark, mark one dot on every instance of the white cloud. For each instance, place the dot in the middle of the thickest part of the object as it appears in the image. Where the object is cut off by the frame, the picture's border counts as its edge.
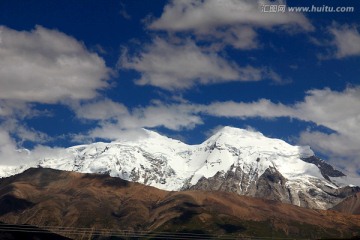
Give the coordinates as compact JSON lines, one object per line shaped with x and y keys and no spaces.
{"x":181,"y":15}
{"x":240,"y":37}
{"x":261,"y":108}
{"x":343,"y":150}
{"x":48,"y":66}
{"x":104,"y":109}
{"x":12,"y":136}
{"x":339,"y":111}
{"x":173,"y":66}
{"x":175,"y":117}
{"x":346,"y":40}
{"x":333,"y":144}
{"x":231,"y":21}
{"x":15,"y":108}
{"x":123,"y":12}
{"x":13,"y":155}
{"x":180,"y":66}
{"x":22,"y":132}
{"x":7,"y":148}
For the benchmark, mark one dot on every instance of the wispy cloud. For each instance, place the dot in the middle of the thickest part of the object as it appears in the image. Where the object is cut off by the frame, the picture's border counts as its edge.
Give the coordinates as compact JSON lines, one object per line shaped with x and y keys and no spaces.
{"x":123,"y":12}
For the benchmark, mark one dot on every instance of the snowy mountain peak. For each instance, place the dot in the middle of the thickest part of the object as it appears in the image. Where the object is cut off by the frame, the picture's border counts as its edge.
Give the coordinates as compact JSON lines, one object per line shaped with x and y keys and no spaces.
{"x":236,"y":160}
{"x":241,"y":138}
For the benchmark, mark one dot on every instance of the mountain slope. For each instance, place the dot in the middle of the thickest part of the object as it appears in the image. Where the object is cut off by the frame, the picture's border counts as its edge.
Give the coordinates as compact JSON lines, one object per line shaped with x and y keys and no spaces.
{"x":350,"y":205}
{"x":234,"y":160}
{"x":75,"y":200}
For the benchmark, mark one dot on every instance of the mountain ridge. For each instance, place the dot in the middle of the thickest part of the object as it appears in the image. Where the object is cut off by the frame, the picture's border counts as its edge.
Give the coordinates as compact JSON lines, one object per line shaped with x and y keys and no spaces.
{"x":234,"y":160}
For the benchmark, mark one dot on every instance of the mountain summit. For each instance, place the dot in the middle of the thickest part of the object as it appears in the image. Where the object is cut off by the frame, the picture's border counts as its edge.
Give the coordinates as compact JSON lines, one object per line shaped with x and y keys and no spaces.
{"x":233,"y":160}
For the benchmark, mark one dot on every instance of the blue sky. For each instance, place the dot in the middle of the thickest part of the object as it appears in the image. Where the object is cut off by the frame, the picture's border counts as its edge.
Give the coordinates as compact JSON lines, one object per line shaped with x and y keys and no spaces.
{"x":74,"y":72}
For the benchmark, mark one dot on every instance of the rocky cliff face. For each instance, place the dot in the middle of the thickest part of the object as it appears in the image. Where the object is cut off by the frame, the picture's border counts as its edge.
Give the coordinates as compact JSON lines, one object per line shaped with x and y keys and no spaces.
{"x":270,"y":185}
{"x":326,"y":169}
{"x":232,"y":160}
{"x":273,"y":185}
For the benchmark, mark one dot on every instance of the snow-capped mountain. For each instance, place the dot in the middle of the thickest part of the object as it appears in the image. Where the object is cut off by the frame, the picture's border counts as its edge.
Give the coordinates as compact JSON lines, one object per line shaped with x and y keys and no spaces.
{"x":234,"y":160}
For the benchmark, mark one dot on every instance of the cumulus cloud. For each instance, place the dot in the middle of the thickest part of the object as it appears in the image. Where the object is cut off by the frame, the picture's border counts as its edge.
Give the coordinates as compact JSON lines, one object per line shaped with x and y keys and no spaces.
{"x":337,"y":110}
{"x":48,"y":66}
{"x":231,"y":21}
{"x":180,"y":66}
{"x":346,"y":40}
